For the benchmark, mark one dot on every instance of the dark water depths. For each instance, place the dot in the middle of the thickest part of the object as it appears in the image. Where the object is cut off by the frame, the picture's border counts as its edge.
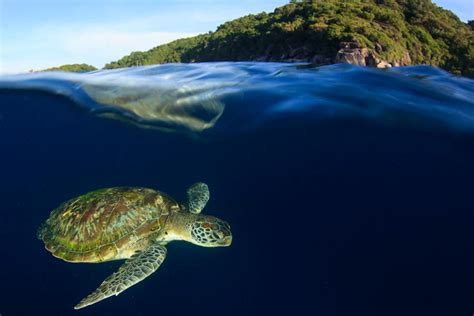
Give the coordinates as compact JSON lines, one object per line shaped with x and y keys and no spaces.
{"x":349,"y":190}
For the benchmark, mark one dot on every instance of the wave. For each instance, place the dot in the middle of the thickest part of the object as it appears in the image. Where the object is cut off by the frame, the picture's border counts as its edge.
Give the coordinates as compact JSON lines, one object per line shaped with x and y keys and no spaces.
{"x":231,"y":97}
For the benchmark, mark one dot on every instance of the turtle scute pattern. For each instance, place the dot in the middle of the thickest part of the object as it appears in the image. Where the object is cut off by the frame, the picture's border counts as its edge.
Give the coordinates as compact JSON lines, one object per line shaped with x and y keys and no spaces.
{"x":96,"y":226}
{"x":133,"y":271}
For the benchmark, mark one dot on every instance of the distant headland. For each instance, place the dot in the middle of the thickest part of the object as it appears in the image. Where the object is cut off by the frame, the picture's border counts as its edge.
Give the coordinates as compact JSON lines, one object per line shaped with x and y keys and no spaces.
{"x":377,"y":33}
{"x":72,"y":68}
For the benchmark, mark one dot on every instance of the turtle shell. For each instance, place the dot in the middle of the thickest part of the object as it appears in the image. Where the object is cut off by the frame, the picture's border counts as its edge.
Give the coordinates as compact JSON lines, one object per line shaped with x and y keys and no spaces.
{"x":104,"y":224}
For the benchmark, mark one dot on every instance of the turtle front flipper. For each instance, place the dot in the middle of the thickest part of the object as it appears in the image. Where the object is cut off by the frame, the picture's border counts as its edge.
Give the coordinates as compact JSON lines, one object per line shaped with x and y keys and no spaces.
{"x":135,"y":269}
{"x":198,"y":195}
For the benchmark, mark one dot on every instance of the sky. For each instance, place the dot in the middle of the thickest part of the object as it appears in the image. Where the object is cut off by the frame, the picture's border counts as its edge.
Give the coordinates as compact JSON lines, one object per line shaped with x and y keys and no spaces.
{"x":38,"y":34}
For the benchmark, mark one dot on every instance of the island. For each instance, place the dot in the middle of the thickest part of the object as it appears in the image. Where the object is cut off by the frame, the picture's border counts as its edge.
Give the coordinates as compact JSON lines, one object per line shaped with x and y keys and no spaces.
{"x":377,"y":33}
{"x":72,"y":68}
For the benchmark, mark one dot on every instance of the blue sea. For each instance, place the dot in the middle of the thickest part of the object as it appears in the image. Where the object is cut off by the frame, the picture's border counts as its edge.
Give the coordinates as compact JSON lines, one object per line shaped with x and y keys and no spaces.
{"x":349,"y":190}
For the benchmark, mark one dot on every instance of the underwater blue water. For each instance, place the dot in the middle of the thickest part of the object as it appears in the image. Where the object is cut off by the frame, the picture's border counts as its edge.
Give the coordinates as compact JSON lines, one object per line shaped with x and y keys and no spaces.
{"x":349,"y":190}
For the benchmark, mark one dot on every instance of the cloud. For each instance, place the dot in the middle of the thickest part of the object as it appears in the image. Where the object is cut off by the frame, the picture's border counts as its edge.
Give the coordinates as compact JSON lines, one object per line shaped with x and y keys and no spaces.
{"x":92,"y":45}
{"x":95,"y":32}
{"x":107,"y":45}
{"x":104,"y":41}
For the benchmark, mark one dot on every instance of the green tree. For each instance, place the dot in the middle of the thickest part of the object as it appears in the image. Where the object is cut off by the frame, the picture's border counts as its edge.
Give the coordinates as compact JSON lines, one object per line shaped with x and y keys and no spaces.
{"x":72,"y":68}
{"x":390,"y":29}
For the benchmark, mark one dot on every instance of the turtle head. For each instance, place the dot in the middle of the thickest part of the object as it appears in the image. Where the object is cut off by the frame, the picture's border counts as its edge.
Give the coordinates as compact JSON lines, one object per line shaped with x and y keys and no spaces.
{"x":209,"y":231}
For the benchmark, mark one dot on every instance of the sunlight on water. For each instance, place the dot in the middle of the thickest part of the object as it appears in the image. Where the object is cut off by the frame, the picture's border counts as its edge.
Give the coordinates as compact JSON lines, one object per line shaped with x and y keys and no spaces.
{"x":184,"y":107}
{"x":219,"y":98}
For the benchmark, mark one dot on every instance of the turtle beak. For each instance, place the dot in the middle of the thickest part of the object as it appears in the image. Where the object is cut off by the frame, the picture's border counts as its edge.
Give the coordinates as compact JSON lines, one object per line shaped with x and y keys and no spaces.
{"x":225,"y":236}
{"x":227,"y":241}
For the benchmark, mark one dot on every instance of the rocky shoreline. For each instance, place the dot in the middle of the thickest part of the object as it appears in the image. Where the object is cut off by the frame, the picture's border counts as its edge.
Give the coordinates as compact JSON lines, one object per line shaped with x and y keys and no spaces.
{"x":350,"y":52}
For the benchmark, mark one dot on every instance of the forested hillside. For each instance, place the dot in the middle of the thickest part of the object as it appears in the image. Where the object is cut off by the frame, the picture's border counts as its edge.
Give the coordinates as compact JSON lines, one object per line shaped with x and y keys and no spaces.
{"x":72,"y":68}
{"x":378,"y":32}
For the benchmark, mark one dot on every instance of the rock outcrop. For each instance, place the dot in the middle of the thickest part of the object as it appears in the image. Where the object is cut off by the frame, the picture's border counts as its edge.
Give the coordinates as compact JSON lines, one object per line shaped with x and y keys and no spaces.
{"x":352,"y":53}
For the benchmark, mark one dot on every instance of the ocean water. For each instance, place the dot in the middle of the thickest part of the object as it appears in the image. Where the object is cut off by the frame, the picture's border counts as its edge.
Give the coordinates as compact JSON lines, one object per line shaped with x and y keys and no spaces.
{"x":349,"y":190}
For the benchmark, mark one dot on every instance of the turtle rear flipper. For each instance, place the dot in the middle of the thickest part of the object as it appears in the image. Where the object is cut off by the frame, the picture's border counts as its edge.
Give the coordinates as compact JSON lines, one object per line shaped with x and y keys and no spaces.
{"x":198,"y":196}
{"x":135,"y":269}
{"x":40,"y":233}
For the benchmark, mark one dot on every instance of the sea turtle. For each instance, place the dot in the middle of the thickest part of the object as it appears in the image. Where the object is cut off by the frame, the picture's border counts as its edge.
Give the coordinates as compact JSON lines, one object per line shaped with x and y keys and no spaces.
{"x":129,"y":223}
